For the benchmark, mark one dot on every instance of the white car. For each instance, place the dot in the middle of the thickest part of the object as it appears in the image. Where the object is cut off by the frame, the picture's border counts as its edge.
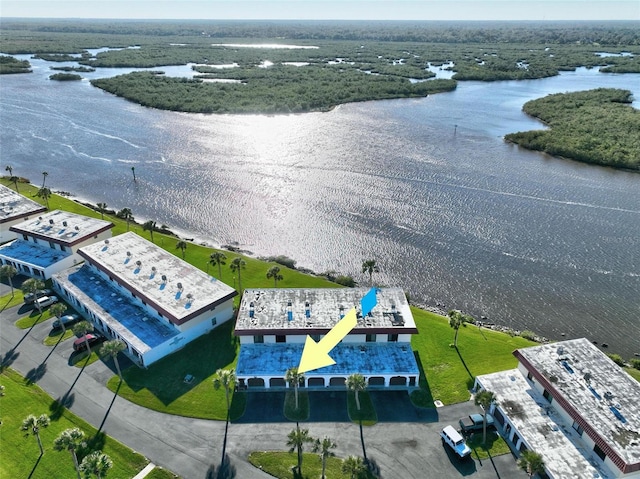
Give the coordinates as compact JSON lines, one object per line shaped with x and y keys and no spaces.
{"x":455,"y":441}
{"x":45,"y":301}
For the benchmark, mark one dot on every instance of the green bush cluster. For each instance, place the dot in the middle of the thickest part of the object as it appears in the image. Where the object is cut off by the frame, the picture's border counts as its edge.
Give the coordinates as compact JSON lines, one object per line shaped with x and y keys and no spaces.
{"x":65,"y":77}
{"x":10,"y":64}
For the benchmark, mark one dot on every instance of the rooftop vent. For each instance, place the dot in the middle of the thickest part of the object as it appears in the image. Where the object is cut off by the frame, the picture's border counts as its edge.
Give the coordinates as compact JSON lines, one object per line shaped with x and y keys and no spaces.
{"x":51,"y":221}
{"x":251,"y":309}
{"x":189,"y":297}
{"x":153,"y":268}
{"x":164,"y":278}
{"x":77,"y":228}
{"x":560,"y":350}
{"x":138,"y":263}
{"x":106,"y":241}
{"x":40,"y":218}
{"x":179,"y":285}
{"x":129,"y":254}
{"x":64,"y":223}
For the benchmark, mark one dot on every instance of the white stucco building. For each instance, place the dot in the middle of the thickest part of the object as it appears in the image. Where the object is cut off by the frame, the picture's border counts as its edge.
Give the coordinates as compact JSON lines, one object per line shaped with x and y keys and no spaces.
{"x":153,"y":301}
{"x":14,"y":209}
{"x":573,"y":405}
{"x":273,"y":324}
{"x":49,"y":242}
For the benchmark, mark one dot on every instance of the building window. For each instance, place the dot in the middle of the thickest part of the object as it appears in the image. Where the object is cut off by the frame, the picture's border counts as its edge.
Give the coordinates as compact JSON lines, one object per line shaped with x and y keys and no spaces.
{"x":160,"y":314}
{"x":281,"y":339}
{"x":547,"y":395}
{"x":599,"y":452}
{"x":315,"y":337}
{"x":52,"y":245}
{"x":258,"y":339}
{"x":578,"y":428}
{"x":530,"y":376}
{"x":392,"y":338}
{"x":95,"y":237}
{"x":371,"y":338}
{"x":25,"y":237}
{"x":214,"y":321}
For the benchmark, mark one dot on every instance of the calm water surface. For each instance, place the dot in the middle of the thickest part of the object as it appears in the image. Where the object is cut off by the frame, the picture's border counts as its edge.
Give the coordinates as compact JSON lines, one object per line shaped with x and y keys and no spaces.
{"x":427,"y":187}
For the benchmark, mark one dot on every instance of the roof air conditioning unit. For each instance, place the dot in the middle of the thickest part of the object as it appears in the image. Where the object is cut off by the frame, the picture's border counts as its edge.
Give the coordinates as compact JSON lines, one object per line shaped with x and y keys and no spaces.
{"x":64,"y":223}
{"x":51,"y":222}
{"x":179,"y":285}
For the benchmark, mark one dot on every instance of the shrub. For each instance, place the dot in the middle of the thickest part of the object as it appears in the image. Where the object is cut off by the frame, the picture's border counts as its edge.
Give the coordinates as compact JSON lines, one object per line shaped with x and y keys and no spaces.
{"x":616,"y":358}
{"x":346,"y":281}
{"x":635,"y":363}
{"x":530,"y":335}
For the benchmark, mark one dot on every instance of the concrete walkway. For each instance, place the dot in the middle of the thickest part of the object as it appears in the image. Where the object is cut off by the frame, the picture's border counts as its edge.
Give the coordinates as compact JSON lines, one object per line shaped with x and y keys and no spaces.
{"x":192,"y":447}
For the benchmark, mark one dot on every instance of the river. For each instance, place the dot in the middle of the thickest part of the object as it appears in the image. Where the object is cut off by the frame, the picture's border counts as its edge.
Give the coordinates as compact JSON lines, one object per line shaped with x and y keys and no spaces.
{"x":427,"y":187}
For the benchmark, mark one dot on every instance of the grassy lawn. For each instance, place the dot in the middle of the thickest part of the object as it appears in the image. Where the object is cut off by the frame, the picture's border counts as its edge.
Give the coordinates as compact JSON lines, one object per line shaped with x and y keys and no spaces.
{"x":634,"y":373}
{"x":447,"y":374}
{"x":367,"y":414}
{"x":160,"y":473}
{"x":57,"y":337}
{"x":279,"y":464}
{"x":495,"y":445}
{"x":290,"y":411}
{"x":162,"y":386}
{"x":20,"y":453}
{"x":7,"y":301}
{"x":33,"y":318}
{"x":80,"y":359}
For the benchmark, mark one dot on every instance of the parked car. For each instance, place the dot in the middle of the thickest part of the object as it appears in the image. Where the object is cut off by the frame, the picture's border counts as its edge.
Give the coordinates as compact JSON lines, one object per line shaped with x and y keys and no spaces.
{"x":455,"y":441}
{"x":80,"y":344}
{"x":66,"y":321}
{"x":45,"y":301}
{"x":474,"y":423}
{"x":31,"y":297}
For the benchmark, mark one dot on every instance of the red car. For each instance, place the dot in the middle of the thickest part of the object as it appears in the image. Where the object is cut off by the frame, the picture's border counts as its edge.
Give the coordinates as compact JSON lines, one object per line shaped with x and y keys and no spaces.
{"x":80,"y":344}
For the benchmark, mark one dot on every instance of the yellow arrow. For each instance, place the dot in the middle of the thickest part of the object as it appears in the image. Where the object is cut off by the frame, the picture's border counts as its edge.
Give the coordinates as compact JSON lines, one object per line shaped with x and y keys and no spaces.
{"x":316,"y":355}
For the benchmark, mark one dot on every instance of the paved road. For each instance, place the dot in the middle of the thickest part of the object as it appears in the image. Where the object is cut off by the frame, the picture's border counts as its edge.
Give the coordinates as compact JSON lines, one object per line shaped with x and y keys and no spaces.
{"x":190,"y":447}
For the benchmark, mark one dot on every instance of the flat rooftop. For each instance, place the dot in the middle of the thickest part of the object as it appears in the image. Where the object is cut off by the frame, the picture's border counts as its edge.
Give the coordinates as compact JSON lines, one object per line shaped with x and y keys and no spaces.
{"x":365,"y":358}
{"x":15,"y":206}
{"x":173,"y":286}
{"x":140,"y":329}
{"x":543,"y":429}
{"x":316,"y":310}
{"x":608,"y":398}
{"x":62,"y":227}
{"x":33,"y":254}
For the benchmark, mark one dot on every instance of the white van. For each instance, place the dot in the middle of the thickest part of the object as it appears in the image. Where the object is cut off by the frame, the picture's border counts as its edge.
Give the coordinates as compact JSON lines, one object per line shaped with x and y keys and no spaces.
{"x":455,"y":441}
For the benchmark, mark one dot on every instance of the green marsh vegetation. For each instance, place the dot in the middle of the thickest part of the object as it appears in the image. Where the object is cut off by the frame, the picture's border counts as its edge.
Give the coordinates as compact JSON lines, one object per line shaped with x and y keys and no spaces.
{"x":595,"y":126}
{"x":65,"y":77}
{"x":10,"y":64}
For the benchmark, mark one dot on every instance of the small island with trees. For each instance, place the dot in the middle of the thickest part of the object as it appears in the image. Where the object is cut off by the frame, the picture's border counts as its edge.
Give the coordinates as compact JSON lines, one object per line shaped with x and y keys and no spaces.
{"x":595,"y":126}
{"x":10,"y":64}
{"x":65,"y":77}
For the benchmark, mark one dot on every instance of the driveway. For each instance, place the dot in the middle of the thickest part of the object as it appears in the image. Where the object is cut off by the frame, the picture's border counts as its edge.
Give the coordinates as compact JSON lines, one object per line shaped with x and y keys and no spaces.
{"x":404,"y":444}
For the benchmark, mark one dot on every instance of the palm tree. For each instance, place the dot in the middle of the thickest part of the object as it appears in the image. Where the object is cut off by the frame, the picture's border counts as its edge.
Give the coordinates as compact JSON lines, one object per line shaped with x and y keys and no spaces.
{"x":323,"y":449}
{"x":70,"y":440}
{"x":274,"y":272}
{"x":96,"y":463}
{"x":58,"y":310}
{"x":217,"y":258}
{"x":9,"y":168}
{"x":356,"y":383}
{"x":369,"y":266}
{"x":125,"y":214}
{"x":44,"y":177}
{"x":133,"y":170}
{"x":457,"y":319}
{"x":32,"y":425}
{"x":226,"y":378}
{"x":8,"y":271}
{"x":31,"y":286}
{"x":237,"y":265}
{"x":81,"y":329}
{"x":354,"y":466}
{"x":182,"y":245}
{"x":112,"y":348}
{"x":296,"y":440}
{"x":531,"y":462}
{"x":149,"y":226}
{"x":102,"y":207}
{"x":44,"y":193}
{"x":293,"y":377}
{"x":484,"y":399}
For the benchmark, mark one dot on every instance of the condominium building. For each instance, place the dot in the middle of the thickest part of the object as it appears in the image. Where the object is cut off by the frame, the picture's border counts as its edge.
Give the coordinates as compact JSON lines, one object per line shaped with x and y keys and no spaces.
{"x":572,"y":404}
{"x":273,"y":324}
{"x":14,"y":209}
{"x":153,"y":301}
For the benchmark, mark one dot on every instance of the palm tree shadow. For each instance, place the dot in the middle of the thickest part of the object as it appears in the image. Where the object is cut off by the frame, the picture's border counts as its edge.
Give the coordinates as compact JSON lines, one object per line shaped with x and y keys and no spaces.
{"x":58,"y":406}
{"x":226,"y":470}
{"x":494,"y":465}
{"x":465,"y":364}
{"x":115,"y":395}
{"x":9,"y":357}
{"x":35,"y":466}
{"x":35,"y":374}
{"x":364,"y":451}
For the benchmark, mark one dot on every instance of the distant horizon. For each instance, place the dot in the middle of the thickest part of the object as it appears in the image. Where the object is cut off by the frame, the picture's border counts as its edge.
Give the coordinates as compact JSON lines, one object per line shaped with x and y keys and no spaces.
{"x":329,"y":10}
